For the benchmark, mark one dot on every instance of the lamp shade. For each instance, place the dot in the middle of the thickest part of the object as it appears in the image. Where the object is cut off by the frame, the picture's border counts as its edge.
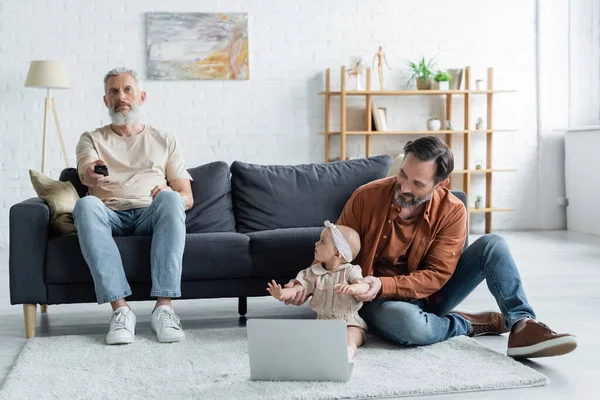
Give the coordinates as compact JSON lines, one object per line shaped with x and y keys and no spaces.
{"x":47,"y":74}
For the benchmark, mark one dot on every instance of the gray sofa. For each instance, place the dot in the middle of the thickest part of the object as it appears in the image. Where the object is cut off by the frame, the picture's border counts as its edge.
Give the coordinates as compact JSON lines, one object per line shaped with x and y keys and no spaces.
{"x":249,"y":224}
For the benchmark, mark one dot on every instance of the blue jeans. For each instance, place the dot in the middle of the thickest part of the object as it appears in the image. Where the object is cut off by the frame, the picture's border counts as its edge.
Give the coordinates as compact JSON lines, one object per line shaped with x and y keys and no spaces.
{"x":426,"y":322}
{"x":164,"y":219}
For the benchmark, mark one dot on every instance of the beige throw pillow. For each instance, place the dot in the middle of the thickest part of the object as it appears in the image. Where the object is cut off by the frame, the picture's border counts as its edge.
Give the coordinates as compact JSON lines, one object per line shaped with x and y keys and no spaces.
{"x":395,"y":167}
{"x":60,"y":197}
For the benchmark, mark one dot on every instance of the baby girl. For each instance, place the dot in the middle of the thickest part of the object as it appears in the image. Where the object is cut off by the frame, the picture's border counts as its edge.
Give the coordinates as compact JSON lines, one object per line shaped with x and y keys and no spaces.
{"x":333,"y":282}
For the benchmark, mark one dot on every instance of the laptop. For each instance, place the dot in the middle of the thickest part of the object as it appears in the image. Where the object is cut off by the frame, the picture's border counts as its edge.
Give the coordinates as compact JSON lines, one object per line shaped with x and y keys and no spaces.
{"x":298,"y":350}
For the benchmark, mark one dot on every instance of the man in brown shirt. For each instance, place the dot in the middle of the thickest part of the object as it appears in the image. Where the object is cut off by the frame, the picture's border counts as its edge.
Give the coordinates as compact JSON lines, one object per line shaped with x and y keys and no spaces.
{"x":413,"y":256}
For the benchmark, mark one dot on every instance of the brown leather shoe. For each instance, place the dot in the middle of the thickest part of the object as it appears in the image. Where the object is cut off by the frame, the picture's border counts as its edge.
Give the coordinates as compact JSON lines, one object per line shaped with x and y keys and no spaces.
{"x":537,"y":340}
{"x":485,"y":323}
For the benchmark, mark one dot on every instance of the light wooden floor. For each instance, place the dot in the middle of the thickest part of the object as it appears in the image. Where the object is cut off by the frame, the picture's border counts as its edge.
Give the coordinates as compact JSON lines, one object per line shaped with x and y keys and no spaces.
{"x":561,"y":272}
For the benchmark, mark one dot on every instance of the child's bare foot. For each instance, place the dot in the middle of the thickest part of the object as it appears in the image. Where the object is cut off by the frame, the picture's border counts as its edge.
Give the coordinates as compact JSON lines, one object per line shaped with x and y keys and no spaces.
{"x":351,"y":353}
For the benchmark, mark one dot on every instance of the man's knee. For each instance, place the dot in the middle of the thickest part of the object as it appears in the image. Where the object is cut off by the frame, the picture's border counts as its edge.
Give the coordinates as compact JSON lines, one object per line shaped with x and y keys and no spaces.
{"x":401,"y":322}
{"x":169,"y":201}
{"x":87,"y":206}
{"x":491,"y":238}
{"x":491,"y":242}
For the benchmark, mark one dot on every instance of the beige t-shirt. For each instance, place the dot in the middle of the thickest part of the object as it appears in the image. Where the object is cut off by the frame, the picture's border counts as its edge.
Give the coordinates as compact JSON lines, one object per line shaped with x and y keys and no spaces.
{"x":136,"y":164}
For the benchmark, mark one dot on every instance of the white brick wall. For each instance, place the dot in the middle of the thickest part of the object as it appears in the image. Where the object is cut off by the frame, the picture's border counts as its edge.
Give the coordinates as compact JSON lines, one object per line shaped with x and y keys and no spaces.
{"x":276,"y":115}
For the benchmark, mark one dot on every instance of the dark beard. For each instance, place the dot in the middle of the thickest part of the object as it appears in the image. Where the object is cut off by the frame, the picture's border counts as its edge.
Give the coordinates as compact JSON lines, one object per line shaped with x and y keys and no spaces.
{"x":406,"y":202}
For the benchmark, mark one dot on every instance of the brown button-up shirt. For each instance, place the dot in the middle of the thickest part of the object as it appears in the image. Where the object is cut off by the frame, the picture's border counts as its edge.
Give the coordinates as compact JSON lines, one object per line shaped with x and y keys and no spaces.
{"x":436,"y":246}
{"x":392,"y":253}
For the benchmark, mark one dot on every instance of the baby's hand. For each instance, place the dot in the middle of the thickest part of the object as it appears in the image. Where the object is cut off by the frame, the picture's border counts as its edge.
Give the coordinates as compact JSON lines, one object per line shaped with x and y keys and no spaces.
{"x":275,"y":290}
{"x":344,"y":288}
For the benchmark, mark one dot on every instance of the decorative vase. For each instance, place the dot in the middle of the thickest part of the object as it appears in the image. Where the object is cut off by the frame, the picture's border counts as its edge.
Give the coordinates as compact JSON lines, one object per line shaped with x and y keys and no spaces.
{"x":434,"y":125}
{"x":357,"y":85}
{"x":479,"y":84}
{"x":455,"y":78}
{"x":423,"y":85}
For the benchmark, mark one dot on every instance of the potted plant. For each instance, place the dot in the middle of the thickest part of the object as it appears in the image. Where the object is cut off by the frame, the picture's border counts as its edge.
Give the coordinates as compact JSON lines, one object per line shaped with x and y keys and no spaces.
{"x":421,"y":73}
{"x":434,"y":124}
{"x":478,"y":164}
{"x":443,"y":80}
{"x":479,"y":124}
{"x":477,"y":202}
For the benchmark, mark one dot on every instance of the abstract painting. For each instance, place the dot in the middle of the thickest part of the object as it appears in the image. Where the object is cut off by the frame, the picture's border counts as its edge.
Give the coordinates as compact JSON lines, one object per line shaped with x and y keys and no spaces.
{"x":184,"y":46}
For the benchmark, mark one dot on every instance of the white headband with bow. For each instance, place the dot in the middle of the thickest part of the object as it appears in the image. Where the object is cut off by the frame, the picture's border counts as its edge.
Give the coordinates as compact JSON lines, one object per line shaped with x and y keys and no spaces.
{"x":340,"y":241}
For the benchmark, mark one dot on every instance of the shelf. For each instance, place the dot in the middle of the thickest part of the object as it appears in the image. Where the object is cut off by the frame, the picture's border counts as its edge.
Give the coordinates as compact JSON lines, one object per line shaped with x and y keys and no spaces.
{"x":481,"y":171}
{"x":486,"y":210}
{"x":463,"y":135}
{"x":397,"y":92}
{"x":492,"y":91}
{"x":491,"y":130}
{"x":413,"y":92}
{"x":393,"y":132}
{"x":440,"y":132}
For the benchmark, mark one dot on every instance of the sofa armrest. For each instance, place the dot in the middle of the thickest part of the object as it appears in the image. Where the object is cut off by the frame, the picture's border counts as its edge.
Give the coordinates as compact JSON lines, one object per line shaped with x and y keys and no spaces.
{"x":29,"y":226}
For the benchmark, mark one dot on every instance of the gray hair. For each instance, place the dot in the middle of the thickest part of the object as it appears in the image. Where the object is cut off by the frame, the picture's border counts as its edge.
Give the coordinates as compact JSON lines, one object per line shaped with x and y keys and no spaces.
{"x":124,"y":70}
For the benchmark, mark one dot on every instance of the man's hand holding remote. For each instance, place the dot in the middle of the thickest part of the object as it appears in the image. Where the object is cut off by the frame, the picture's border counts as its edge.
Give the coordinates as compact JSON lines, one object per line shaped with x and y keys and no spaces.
{"x":91,"y":178}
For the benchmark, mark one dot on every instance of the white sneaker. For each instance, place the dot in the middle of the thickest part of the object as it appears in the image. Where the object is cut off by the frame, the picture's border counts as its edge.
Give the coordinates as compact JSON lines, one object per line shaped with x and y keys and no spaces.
{"x":122,"y":326}
{"x":166,"y":325}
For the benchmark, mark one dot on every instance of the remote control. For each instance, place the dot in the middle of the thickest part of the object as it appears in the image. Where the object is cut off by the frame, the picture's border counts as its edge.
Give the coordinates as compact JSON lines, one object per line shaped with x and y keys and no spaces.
{"x":101,"y":169}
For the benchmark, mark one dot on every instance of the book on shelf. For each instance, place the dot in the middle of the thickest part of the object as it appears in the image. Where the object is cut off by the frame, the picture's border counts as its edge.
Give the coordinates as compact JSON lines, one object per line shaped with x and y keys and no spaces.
{"x":378,"y":118}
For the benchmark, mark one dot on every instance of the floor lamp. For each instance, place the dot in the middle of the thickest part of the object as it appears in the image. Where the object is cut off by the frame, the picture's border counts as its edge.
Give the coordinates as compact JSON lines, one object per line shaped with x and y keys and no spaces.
{"x":49,"y":75}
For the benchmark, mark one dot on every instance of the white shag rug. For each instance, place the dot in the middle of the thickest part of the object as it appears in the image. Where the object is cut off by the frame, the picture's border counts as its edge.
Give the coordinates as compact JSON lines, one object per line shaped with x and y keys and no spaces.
{"x":213,"y":364}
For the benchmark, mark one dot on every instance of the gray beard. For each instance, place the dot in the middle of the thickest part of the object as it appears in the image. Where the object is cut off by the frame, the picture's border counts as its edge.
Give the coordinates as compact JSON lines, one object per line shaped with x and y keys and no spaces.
{"x":133,"y":115}
{"x":411,"y":201}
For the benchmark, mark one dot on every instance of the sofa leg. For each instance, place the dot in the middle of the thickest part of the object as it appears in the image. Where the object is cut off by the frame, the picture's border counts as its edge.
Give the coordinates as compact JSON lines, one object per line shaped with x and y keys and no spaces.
{"x":29,"y":311}
{"x":44,"y":308}
{"x":242,"y":305}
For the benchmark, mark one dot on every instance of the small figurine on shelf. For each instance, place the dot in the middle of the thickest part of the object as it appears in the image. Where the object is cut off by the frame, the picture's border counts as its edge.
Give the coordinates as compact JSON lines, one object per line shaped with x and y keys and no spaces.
{"x":356,"y":68}
{"x":479,"y":124}
{"x":434,"y":124}
{"x":380,"y":55}
{"x":477,"y":202}
{"x":332,"y":281}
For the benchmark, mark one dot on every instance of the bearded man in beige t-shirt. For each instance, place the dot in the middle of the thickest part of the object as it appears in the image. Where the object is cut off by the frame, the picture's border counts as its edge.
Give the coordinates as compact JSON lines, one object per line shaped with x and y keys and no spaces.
{"x":137,"y":185}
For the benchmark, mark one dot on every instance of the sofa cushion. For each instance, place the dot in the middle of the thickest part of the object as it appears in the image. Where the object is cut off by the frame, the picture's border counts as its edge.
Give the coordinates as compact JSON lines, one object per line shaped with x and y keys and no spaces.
{"x":222,"y":255}
{"x":60,"y":197}
{"x":463,"y":197}
{"x":71,"y":175}
{"x":212,"y":210}
{"x":396,"y":165}
{"x":282,"y":252}
{"x":269,"y":197}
